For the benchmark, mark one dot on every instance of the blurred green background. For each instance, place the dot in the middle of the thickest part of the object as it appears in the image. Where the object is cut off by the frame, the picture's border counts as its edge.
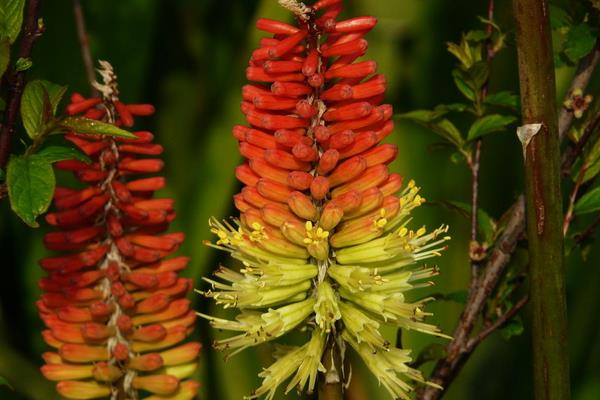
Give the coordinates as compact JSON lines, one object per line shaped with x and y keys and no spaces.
{"x":188,"y":57}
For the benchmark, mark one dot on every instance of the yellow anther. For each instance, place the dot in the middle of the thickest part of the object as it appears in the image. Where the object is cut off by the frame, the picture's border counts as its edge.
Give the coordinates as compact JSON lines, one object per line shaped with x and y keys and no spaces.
{"x":403,"y":231}
{"x":421,"y":231}
{"x":308,"y":225}
{"x":411,"y":184}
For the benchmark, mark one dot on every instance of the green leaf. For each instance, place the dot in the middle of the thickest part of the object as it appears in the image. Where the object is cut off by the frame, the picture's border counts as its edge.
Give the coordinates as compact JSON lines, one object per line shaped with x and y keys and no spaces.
{"x":589,"y":202}
{"x":30,"y":181}
{"x":457,"y":107}
{"x":558,"y":17}
{"x":462,"y":85}
{"x":11,"y":18}
{"x":579,"y":42}
{"x":477,"y":35}
{"x":4,"y":56}
{"x":60,"y":153}
{"x":503,"y":99}
{"x":478,"y":75}
{"x":488,"y":124}
{"x":89,"y":126}
{"x":513,"y":328}
{"x":35,"y":104}
{"x":423,"y":115}
{"x":23,"y":64}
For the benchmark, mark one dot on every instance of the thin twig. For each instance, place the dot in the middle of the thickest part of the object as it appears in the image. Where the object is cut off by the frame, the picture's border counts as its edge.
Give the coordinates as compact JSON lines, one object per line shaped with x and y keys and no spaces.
{"x":573,"y":153}
{"x":84,"y":44}
{"x":31,"y":31}
{"x":572,"y":198}
{"x":475,"y":164}
{"x":582,"y":77}
{"x":497,"y":324}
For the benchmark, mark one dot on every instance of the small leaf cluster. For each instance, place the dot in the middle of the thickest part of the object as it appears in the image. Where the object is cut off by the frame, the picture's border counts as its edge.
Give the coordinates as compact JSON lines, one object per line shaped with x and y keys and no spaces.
{"x":488,"y":112}
{"x":575,"y":31}
{"x":29,"y":179}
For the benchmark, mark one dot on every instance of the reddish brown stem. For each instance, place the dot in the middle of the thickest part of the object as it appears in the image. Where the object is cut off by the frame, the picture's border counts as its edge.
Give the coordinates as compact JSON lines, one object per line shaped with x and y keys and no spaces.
{"x":31,"y":31}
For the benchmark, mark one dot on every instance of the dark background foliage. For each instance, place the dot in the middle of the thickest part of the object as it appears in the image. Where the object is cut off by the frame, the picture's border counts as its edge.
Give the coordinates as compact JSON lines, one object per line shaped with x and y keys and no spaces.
{"x":188,"y":57}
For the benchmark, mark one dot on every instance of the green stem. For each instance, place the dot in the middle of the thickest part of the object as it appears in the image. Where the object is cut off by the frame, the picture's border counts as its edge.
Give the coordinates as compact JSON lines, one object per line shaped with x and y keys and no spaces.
{"x":330,"y":383}
{"x":544,"y":203}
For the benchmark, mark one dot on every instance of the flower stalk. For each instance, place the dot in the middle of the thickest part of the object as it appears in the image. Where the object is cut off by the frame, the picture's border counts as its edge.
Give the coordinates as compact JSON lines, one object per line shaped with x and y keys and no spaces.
{"x":544,"y":202}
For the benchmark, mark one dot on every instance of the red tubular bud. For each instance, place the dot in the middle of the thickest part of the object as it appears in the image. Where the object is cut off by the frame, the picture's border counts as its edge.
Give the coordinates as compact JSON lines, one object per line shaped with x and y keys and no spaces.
{"x":275,"y":27}
{"x":316,"y":80}
{"x":305,"y":153}
{"x":302,"y":206}
{"x":311,"y":63}
{"x":337,"y":92}
{"x":392,"y":185}
{"x":341,"y":139}
{"x":265,"y":170}
{"x":278,"y":67}
{"x":251,"y":152}
{"x":290,"y":138}
{"x":354,"y":47}
{"x":347,"y":171}
{"x":287,"y":44}
{"x":319,"y":187}
{"x":120,"y":352}
{"x":276,"y":215}
{"x":289,"y":89}
{"x":349,"y":112}
{"x":82,"y":105}
{"x":142,"y":110}
{"x":146,"y":362}
{"x":245,"y":175}
{"x":328,"y":161}
{"x":356,"y":24}
{"x":258,"y":74}
{"x":299,"y":180}
{"x":372,"y":177}
{"x":271,"y":102}
{"x":150,"y":333}
{"x":146,"y":185}
{"x":273,"y":190}
{"x":124,"y":114}
{"x":158,"y":384}
{"x":331,"y":216}
{"x":285,"y":160}
{"x":322,"y":134}
{"x":322,"y":4}
{"x":348,"y":201}
{"x":305,"y":109}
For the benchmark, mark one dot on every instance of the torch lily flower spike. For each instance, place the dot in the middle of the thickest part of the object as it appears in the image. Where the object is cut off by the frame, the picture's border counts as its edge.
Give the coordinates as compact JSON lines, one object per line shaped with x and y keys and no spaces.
{"x":323,"y":232}
{"x":114,"y":307}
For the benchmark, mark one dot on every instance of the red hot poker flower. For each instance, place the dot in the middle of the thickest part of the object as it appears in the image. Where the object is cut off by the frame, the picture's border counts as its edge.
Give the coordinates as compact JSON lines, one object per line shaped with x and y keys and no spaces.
{"x":323,"y":230}
{"x":114,"y":307}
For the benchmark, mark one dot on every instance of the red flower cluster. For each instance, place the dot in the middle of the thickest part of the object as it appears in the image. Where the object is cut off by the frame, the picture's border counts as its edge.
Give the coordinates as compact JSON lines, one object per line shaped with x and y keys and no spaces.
{"x":113,"y":304}
{"x":316,"y":117}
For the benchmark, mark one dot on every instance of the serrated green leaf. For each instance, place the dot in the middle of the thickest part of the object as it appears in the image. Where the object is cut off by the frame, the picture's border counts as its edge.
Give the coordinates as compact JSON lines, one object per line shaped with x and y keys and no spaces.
{"x":60,"y":153}
{"x":488,"y":124}
{"x":478,"y":75}
{"x":30,"y":181}
{"x":35,"y":104}
{"x":23,"y":64}
{"x":461,"y":52}
{"x":579,"y":42}
{"x":513,"y":328}
{"x":11,"y":18}
{"x":477,"y":35}
{"x":423,"y":115}
{"x":558,"y":17}
{"x":461,"y":84}
{"x":89,"y":126}
{"x":503,"y":99}
{"x":589,"y":202}
{"x":4,"y":56}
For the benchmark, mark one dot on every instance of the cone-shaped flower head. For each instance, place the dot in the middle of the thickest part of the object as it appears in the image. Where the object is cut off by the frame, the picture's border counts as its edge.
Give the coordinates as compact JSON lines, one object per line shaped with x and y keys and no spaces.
{"x":323,"y":232}
{"x":114,"y":307}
